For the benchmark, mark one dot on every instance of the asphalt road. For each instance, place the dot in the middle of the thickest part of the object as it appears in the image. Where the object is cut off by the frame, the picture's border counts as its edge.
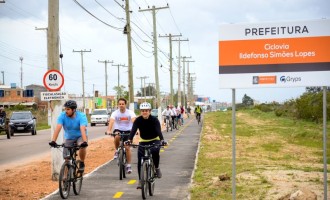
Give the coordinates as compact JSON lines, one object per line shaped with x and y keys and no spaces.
{"x":177,"y":164}
{"x":24,"y":147}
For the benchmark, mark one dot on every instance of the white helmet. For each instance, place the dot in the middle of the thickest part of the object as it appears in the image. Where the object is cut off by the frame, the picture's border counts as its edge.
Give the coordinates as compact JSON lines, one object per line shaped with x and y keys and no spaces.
{"x":145,"y":106}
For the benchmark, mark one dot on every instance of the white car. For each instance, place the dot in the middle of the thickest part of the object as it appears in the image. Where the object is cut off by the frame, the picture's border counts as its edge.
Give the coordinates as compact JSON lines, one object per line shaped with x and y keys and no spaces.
{"x":100,"y":116}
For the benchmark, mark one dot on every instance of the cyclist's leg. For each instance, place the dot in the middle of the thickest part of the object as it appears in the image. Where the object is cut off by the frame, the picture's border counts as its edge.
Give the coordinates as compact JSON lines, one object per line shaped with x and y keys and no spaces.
{"x":116,"y":139}
{"x":140,"y":154}
{"x":156,"y":158}
{"x":82,"y":151}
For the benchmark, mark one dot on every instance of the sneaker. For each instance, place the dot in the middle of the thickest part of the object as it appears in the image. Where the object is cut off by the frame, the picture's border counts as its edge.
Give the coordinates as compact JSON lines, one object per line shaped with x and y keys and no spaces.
{"x":139,"y":185}
{"x":81,"y":166}
{"x":129,"y":169}
{"x":116,"y":155}
{"x":158,"y":172}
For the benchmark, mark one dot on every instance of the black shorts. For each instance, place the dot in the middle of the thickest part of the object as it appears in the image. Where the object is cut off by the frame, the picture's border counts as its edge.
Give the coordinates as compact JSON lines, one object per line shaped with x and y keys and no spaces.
{"x":125,"y":137}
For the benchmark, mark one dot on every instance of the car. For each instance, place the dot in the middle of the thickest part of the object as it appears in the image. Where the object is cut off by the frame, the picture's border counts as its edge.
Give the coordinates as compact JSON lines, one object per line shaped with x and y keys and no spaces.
{"x":22,"y":122}
{"x":154,"y":112}
{"x":100,"y":116}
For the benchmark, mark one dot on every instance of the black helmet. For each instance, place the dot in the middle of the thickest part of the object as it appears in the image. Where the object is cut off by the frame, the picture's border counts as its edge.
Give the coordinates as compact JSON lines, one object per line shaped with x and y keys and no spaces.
{"x":70,"y":104}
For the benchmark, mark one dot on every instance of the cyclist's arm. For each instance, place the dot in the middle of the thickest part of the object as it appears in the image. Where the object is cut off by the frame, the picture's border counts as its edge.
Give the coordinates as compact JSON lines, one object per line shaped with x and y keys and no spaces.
{"x":158,"y":130}
{"x":110,"y":126}
{"x":83,"y":133}
{"x":56,"y":132}
{"x":133,"y":130}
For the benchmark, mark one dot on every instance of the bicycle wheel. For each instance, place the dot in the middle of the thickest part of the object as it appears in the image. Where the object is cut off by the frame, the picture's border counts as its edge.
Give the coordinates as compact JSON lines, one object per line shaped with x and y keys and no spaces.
{"x":121,"y":164}
{"x":151,"y":179}
{"x":124,"y":163}
{"x":167,"y":126}
{"x":144,"y":180}
{"x":77,"y":180}
{"x":64,"y":180}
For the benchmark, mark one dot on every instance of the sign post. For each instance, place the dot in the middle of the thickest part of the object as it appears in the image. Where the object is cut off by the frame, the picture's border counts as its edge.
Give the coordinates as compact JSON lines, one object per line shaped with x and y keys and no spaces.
{"x":280,"y":54}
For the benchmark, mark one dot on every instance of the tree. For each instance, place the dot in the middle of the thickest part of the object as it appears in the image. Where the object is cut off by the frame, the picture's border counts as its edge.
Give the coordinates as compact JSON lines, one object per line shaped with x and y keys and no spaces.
{"x":119,"y":90}
{"x":247,"y":101}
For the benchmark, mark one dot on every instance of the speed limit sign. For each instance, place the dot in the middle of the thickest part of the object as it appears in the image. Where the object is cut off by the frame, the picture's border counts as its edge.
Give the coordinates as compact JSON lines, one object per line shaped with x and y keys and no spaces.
{"x":53,"y":80}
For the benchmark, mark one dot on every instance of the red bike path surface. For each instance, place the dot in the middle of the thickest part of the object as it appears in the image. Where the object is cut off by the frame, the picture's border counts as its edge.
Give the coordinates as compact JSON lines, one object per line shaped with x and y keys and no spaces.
{"x":177,"y":163}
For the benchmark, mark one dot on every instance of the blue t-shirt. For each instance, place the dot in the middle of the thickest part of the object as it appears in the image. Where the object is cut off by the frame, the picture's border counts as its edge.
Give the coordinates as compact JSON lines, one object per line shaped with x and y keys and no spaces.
{"x":71,"y":126}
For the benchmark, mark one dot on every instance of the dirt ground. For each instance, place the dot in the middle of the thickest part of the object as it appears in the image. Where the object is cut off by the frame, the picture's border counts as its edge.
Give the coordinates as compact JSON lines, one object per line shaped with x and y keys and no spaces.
{"x":33,"y":180}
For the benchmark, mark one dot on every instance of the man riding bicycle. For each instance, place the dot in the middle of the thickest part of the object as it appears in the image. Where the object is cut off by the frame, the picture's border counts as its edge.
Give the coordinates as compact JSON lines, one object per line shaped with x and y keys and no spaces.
{"x":167,"y":113}
{"x":150,"y":133}
{"x":122,"y":120}
{"x":198,"y":111}
{"x":2,"y":116}
{"x":173,"y":115}
{"x":74,"y":124}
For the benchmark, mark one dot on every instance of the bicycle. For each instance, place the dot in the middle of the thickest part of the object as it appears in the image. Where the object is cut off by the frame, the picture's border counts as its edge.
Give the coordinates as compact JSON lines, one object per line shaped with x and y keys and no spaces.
{"x":198,"y":118}
{"x":70,"y":172}
{"x":148,"y":170}
{"x":168,"y":123}
{"x":122,"y":160}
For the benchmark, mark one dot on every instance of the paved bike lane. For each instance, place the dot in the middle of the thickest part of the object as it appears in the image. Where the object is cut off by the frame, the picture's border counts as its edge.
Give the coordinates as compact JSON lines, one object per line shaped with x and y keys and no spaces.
{"x":177,"y":162}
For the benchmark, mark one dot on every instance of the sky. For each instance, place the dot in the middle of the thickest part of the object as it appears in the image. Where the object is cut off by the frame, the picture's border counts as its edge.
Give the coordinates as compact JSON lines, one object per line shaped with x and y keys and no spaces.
{"x":197,"y":21}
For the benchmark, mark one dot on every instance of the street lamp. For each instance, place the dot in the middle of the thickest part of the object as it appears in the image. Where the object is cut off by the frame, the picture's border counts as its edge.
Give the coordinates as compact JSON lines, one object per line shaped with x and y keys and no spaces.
{"x":21,"y":59}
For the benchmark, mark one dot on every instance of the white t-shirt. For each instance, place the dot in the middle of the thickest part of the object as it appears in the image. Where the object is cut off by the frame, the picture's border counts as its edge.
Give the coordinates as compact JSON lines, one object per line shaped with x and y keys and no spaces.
{"x":123,"y":121}
{"x":167,"y":112}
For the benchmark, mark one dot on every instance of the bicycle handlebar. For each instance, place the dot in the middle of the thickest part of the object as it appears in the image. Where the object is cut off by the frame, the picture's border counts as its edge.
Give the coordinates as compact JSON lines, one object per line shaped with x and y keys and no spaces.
{"x":63,"y":145}
{"x":121,"y":133}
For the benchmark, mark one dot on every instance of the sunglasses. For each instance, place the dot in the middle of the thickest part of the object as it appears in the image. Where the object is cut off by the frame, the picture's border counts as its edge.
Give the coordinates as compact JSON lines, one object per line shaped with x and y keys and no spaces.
{"x":144,"y":110}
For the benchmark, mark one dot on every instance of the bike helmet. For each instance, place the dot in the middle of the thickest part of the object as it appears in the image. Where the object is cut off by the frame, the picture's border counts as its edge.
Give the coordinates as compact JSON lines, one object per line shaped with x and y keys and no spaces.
{"x":70,"y":104}
{"x":145,"y":106}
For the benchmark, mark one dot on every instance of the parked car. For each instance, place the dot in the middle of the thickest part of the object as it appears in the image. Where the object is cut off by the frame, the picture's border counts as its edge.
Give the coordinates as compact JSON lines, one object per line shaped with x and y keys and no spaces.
{"x":100,"y":116}
{"x":22,"y":122}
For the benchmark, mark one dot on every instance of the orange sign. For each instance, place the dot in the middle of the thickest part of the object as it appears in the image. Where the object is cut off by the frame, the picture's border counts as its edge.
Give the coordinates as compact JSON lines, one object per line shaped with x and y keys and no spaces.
{"x":274,"y":51}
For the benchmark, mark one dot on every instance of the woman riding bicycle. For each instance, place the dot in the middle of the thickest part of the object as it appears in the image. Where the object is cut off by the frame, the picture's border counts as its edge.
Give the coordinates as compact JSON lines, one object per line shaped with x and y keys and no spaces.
{"x":150,"y":133}
{"x":74,"y":124}
{"x":122,"y":120}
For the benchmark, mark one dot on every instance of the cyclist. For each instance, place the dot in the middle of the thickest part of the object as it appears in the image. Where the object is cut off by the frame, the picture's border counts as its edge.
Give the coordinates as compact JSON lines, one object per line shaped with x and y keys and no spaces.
{"x":182,"y":112}
{"x":188,"y":111}
{"x":167,"y":113}
{"x":2,"y":116}
{"x":150,"y":133}
{"x":74,"y":124}
{"x":122,"y":120}
{"x":178,"y":116}
{"x":198,"y":111}
{"x":173,"y":115}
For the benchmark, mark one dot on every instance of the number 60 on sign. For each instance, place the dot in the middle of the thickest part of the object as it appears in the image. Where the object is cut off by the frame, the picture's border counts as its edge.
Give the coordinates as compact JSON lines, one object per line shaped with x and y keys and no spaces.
{"x":53,"y":80}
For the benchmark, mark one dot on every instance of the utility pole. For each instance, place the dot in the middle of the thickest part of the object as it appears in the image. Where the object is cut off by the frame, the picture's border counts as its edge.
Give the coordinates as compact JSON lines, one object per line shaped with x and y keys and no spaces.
{"x":179,"y":71}
{"x":153,"y":9}
{"x":82,"y":73}
{"x":184,"y":79}
{"x":144,"y":85}
{"x":3,"y":77}
{"x":171,"y":68}
{"x":56,"y":106}
{"x":21,"y":59}
{"x":193,"y":79}
{"x":127,"y":31}
{"x":106,"y":79}
{"x":118,"y":79}
{"x":188,"y":81}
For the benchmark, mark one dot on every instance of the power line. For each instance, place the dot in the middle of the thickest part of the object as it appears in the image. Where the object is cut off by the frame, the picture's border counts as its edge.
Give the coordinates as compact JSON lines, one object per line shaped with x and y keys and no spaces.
{"x":116,"y":28}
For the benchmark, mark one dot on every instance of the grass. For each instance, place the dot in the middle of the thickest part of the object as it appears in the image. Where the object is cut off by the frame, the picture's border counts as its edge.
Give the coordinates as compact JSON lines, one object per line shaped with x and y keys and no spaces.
{"x":264,"y":142}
